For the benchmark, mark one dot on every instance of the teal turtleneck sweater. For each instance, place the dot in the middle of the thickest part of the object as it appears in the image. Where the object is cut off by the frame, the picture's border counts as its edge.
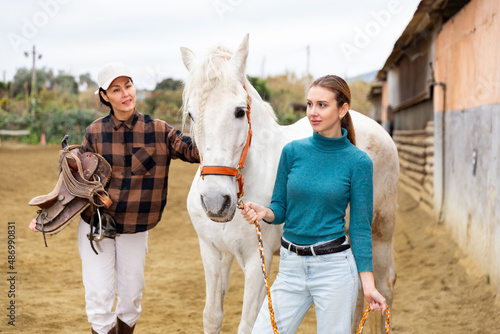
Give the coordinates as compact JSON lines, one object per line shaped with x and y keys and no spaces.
{"x":317,"y":178}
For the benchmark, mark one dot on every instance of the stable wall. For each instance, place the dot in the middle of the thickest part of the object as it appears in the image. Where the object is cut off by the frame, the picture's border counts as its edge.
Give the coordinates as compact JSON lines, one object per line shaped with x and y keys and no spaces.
{"x":386,"y":117}
{"x":467,"y":116}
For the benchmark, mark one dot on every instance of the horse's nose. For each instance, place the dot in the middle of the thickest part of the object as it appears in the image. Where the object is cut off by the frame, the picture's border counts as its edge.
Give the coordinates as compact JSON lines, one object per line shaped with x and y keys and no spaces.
{"x":217,"y":207}
{"x":226,"y":203}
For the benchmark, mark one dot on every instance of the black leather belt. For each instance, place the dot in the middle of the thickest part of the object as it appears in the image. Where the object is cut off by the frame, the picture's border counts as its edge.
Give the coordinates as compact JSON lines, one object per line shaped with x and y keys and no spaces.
{"x":333,"y":246}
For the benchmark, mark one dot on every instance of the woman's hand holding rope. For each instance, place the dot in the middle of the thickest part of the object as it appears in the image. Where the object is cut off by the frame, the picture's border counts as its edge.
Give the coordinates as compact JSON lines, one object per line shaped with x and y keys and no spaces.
{"x":254,"y":212}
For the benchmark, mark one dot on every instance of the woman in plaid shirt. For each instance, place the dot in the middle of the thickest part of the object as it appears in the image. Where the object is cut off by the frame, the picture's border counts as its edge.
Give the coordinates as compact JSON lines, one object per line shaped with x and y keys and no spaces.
{"x":139,"y":149}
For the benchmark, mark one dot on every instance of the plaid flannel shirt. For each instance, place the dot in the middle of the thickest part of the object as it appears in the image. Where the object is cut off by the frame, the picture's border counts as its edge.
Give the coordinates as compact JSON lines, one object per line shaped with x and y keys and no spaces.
{"x":139,"y":151}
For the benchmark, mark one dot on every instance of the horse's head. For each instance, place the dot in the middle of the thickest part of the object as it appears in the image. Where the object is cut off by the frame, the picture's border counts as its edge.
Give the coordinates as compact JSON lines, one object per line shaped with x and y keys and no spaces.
{"x":215,"y":100}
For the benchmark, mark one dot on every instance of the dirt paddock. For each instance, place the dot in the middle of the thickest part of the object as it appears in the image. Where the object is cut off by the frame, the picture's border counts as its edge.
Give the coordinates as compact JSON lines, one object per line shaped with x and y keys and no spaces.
{"x":437,"y":290}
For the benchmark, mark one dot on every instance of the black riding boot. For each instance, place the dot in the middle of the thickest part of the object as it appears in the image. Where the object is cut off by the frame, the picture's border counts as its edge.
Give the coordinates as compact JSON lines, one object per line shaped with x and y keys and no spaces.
{"x":123,"y":328}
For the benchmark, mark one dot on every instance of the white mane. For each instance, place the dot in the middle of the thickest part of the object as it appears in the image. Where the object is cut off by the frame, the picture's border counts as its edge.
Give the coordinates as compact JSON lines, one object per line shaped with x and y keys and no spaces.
{"x":207,"y":73}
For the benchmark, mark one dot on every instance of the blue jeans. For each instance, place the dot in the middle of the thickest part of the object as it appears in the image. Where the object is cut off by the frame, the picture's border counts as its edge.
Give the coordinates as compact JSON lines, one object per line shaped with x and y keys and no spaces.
{"x":329,"y":281}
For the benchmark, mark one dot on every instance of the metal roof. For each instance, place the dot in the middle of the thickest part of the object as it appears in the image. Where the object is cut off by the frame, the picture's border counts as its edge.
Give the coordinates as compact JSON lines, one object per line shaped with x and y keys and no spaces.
{"x":429,"y":16}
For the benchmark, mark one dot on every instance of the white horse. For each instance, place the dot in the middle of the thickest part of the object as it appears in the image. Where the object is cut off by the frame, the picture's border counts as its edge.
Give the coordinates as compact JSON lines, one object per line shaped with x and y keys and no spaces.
{"x":215,"y":98}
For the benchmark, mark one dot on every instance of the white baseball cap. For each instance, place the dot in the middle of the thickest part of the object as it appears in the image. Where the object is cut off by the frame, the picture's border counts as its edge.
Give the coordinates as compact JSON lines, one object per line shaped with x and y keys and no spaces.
{"x":109,"y":73}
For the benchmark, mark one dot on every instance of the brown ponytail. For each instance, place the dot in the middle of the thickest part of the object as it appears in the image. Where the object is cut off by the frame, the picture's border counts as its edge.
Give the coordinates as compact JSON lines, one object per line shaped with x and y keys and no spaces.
{"x":346,"y":123}
{"x":343,"y":95}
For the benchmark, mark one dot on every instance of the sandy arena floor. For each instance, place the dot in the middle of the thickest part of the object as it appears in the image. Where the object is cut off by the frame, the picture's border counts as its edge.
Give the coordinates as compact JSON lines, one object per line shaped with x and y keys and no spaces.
{"x":437,"y":290}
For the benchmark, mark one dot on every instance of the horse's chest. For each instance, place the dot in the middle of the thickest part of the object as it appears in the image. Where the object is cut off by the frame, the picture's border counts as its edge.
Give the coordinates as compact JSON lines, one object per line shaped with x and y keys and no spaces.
{"x":223,"y":236}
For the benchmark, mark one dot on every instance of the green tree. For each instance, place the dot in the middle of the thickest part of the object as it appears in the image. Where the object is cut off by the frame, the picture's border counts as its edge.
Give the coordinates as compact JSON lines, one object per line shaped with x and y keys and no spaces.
{"x":64,"y":82}
{"x":21,"y":84}
{"x":168,"y":84}
{"x":260,"y":86}
{"x":86,"y":81}
{"x":163,"y":104}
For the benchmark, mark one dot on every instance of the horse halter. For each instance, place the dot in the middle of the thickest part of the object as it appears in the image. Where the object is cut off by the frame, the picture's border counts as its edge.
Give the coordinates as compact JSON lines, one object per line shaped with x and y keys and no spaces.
{"x":234,"y":171}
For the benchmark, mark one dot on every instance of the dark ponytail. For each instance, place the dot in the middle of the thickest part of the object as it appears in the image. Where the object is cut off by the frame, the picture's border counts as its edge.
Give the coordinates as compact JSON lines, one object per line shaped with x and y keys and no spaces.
{"x":343,"y":95}
{"x":102,"y":100}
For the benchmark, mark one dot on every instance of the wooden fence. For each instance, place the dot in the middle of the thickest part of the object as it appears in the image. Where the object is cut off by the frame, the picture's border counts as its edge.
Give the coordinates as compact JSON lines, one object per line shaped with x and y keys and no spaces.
{"x":416,"y":160}
{"x":13,"y":133}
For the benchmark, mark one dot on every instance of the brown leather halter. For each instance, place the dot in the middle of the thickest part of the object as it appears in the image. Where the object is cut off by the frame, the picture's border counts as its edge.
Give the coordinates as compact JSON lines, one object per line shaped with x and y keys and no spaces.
{"x":234,"y":171}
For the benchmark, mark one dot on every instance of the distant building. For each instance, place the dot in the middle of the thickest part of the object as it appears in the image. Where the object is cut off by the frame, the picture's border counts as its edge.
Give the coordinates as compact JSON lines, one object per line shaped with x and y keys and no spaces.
{"x":441,"y":95}
{"x":375,"y":96}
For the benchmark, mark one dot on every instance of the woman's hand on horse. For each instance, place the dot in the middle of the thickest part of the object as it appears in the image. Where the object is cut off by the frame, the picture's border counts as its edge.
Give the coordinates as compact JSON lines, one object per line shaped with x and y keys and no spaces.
{"x":252,"y":212}
{"x":32,"y":225}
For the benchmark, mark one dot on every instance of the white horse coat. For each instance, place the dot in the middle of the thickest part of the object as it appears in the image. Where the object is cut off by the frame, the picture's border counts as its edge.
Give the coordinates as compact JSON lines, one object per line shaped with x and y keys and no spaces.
{"x":216,"y":101}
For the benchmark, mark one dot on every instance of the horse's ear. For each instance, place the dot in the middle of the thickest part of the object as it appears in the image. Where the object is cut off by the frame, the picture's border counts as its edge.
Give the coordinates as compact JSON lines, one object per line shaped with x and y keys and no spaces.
{"x":239,"y":58}
{"x":187,"y":57}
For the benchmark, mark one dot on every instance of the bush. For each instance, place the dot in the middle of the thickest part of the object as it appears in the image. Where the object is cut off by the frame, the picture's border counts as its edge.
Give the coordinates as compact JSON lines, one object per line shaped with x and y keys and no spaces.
{"x":284,"y":91}
{"x":165,"y":105}
{"x":10,"y":121}
{"x":58,"y":122}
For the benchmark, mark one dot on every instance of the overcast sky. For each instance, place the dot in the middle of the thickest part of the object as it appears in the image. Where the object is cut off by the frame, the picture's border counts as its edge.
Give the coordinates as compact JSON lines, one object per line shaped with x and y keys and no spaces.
{"x":346,"y":38}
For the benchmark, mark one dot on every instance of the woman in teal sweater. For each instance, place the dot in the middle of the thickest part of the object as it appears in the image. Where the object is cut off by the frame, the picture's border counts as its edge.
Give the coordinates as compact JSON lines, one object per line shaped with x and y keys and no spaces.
{"x":317,"y":178}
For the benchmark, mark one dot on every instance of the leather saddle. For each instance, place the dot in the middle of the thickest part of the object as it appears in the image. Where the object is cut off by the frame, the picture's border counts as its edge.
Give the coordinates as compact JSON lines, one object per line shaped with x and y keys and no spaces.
{"x":82,"y":177}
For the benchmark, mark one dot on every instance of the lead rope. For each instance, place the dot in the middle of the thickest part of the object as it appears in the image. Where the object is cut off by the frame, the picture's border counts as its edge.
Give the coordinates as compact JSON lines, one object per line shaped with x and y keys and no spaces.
{"x":264,"y":270}
{"x":258,"y":231}
{"x":387,"y":320}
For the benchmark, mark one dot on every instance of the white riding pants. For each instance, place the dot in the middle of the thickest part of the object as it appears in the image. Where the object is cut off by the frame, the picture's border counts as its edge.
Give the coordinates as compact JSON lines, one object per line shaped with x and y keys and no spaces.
{"x":118,"y":268}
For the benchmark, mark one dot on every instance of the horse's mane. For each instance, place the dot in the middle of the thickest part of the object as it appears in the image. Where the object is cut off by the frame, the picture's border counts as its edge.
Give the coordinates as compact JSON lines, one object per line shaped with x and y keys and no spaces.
{"x":212,"y":67}
{"x":207,"y":73}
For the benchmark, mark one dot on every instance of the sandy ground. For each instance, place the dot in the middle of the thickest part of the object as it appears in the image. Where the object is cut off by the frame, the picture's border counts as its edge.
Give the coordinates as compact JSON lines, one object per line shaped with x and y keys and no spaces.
{"x":437,"y":290}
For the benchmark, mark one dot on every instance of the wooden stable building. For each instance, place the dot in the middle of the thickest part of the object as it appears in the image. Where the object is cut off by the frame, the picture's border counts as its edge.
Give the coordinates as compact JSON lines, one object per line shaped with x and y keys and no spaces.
{"x":438,"y":94}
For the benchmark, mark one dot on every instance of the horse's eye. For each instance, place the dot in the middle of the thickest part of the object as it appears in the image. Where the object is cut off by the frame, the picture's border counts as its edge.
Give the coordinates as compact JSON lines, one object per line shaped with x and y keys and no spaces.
{"x":239,"y":112}
{"x":190,"y":116}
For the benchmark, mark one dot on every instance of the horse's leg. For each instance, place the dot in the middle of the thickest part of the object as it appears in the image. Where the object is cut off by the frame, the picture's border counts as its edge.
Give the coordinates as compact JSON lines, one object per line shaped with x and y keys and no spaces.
{"x":383,"y":265}
{"x":385,"y":275}
{"x":385,"y":278}
{"x":384,"y":222}
{"x":217,"y":266}
{"x":255,"y":289}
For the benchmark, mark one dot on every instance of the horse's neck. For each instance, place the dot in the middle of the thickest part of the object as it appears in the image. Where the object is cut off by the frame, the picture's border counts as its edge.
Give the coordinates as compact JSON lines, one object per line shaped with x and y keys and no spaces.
{"x":267,"y":140}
